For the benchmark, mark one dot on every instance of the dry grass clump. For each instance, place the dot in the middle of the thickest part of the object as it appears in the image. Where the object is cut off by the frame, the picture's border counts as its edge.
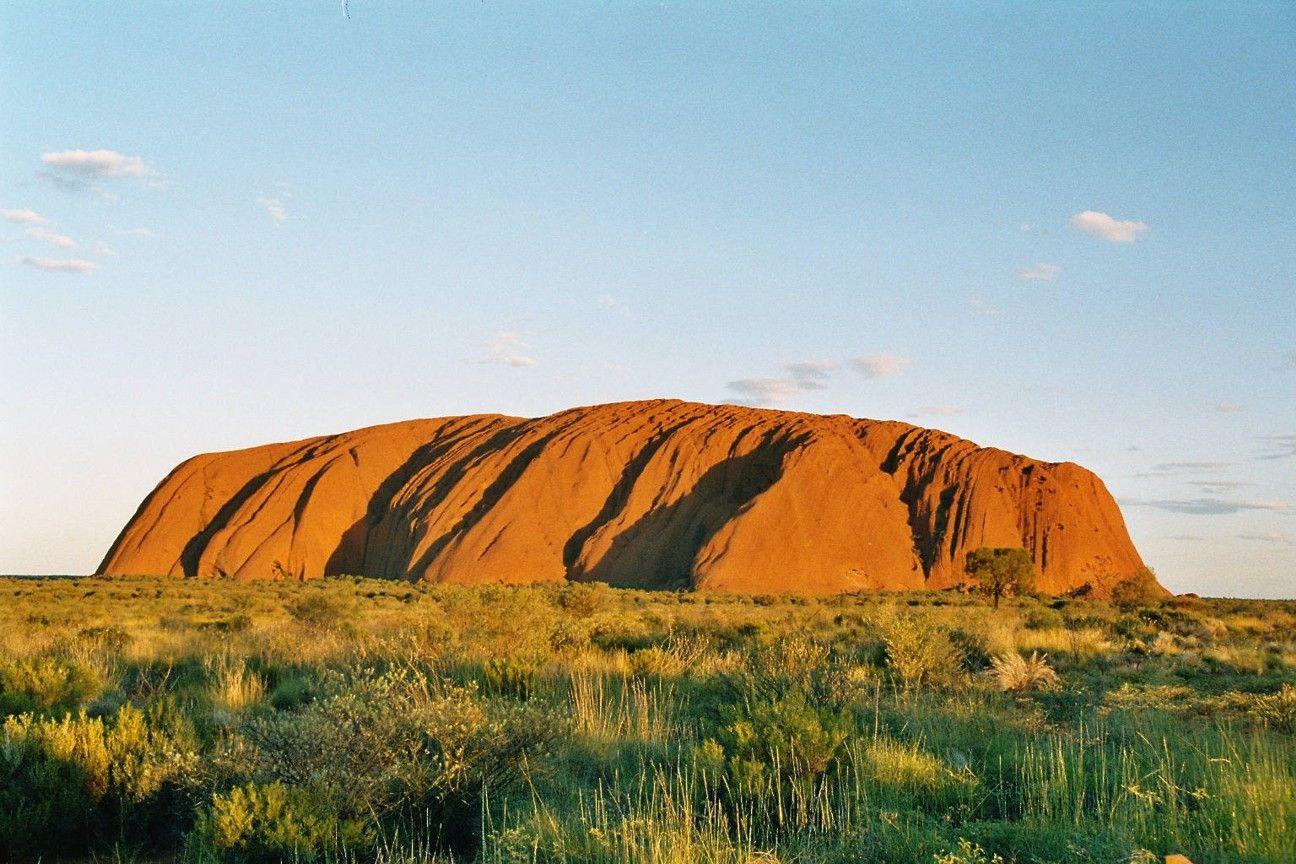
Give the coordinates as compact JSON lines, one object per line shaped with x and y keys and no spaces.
{"x":235,"y":687}
{"x":1014,"y":673}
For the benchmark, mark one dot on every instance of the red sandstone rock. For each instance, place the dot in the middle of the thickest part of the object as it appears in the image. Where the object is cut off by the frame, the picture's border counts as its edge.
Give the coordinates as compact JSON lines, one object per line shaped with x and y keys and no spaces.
{"x":658,"y":494}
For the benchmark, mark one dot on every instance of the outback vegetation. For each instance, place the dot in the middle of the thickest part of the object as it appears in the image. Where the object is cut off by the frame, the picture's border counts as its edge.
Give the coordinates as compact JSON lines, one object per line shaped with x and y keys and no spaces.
{"x":365,"y":720}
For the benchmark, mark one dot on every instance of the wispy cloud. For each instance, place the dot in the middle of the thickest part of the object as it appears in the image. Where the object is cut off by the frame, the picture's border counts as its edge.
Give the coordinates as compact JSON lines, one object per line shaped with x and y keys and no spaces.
{"x":102,"y":248}
{"x":1039,"y":273}
{"x":75,"y":186}
{"x":810,"y":374}
{"x":97,"y":163}
{"x":1179,"y":469}
{"x":982,"y":306}
{"x":1278,"y":537}
{"x":276,"y":208}
{"x":1228,"y":407}
{"x":23,"y":217}
{"x":1110,"y":229}
{"x":59,"y":265}
{"x":1285,"y":444}
{"x":1218,"y":487}
{"x":44,"y":235}
{"x":881,"y":365}
{"x":765,"y":391}
{"x":936,"y":411}
{"x":147,"y":233}
{"x":505,"y":349}
{"x":801,"y":376}
{"x":1206,"y":506}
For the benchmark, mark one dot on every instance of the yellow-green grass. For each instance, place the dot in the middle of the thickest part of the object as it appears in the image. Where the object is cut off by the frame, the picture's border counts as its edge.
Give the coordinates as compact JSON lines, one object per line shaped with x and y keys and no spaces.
{"x":363,"y":720}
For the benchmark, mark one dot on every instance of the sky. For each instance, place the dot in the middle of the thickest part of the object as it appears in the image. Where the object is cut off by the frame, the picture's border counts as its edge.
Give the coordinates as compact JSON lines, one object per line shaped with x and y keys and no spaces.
{"x":1066,"y":230}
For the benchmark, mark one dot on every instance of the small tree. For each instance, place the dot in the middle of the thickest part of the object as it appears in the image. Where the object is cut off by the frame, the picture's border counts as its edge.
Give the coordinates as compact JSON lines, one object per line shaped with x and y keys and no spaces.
{"x":1001,"y":570}
{"x":1137,"y":589}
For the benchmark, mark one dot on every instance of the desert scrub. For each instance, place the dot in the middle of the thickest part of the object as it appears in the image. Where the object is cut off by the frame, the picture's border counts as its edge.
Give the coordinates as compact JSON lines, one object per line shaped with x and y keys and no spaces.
{"x":45,"y":684}
{"x":69,"y":782}
{"x":254,"y":824}
{"x":676,"y":728}
{"x":919,"y":653}
{"x":380,"y":745}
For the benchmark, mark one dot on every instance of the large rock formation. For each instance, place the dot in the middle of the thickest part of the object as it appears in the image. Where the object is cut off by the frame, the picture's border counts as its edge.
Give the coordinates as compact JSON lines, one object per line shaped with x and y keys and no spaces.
{"x":660,"y":494}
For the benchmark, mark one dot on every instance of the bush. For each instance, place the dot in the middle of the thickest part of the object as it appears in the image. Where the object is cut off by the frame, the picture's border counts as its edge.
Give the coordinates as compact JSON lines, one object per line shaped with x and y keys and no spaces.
{"x":67,"y":783}
{"x":917,"y":653}
{"x":273,"y":823}
{"x":317,"y":611}
{"x":45,"y":684}
{"x":510,"y":676}
{"x":382,"y":745}
{"x":1137,"y":590}
{"x":789,"y":738}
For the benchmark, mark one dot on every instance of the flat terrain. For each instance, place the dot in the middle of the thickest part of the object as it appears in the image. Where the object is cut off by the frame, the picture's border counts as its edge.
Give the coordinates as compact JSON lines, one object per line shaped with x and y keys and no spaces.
{"x":366,"y":720}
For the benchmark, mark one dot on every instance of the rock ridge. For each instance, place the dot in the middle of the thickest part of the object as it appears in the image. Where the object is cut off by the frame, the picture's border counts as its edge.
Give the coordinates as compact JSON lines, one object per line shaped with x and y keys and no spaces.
{"x":651,"y":494}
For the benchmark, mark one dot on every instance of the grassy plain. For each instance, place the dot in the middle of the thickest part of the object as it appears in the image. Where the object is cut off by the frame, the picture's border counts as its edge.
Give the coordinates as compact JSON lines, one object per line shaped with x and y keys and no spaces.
{"x":364,"y":720}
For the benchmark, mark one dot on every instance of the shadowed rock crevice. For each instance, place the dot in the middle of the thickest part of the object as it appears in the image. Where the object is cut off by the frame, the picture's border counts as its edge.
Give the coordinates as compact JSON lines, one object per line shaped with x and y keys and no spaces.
{"x":661,"y":548}
{"x":617,"y":500}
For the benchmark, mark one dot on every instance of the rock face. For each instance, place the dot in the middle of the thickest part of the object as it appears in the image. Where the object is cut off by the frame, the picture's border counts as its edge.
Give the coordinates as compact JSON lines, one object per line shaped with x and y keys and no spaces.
{"x":659,"y":494}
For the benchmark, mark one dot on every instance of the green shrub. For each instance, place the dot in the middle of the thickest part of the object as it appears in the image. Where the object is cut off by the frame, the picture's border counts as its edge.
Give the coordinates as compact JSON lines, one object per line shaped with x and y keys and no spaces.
{"x":510,"y":676}
{"x":788,"y":740}
{"x":1136,"y":590}
{"x":254,"y":824}
{"x":318,"y":611}
{"x":69,"y":782}
{"x":917,"y":653}
{"x":382,"y":745}
{"x":45,"y":684}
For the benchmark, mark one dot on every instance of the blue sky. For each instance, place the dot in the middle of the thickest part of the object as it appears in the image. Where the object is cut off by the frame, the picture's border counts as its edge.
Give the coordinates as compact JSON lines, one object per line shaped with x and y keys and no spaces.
{"x":1065,"y":230}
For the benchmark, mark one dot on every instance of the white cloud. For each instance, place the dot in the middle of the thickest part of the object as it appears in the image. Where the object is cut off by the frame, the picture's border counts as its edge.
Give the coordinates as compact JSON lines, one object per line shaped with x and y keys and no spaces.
{"x":1109,"y":229}
{"x":275,"y":207}
{"x":1176,"y":469}
{"x":62,"y":241}
{"x":1039,"y":273}
{"x":766,"y":391}
{"x":23,"y":217}
{"x":1218,"y":487}
{"x":59,"y":265}
{"x":97,"y":163}
{"x":880,"y":365}
{"x":102,"y":248}
{"x":937,"y":411}
{"x":504,"y":349}
{"x":803,"y":376}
